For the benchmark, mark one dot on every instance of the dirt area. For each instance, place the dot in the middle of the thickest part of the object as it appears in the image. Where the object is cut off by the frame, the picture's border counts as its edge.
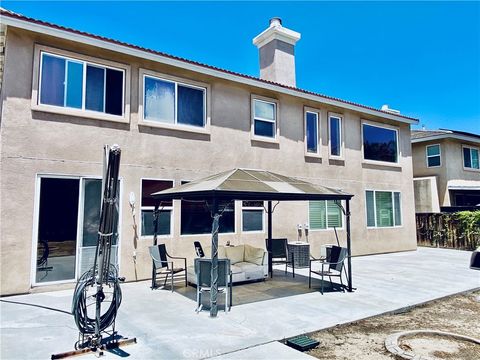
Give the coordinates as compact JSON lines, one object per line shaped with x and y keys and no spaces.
{"x":365,"y":339}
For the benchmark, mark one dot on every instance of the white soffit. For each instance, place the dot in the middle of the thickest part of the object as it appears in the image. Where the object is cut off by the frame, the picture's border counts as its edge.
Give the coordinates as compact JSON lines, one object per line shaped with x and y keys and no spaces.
{"x":463,"y":185}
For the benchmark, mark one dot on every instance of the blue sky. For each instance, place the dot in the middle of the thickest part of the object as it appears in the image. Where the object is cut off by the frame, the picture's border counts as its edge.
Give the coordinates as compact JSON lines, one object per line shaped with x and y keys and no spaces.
{"x":422,"y":58}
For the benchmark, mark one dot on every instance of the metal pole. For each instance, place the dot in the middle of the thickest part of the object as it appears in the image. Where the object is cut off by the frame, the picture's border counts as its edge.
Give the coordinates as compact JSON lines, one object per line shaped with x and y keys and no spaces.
{"x":155,"y":232}
{"x":269,"y":212}
{"x":155,"y":223}
{"x":214,"y":268}
{"x":349,"y":251}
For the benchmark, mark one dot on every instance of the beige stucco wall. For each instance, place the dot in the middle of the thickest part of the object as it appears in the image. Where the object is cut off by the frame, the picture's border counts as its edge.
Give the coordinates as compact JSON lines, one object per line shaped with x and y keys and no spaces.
{"x":451,"y":165}
{"x":43,"y":143}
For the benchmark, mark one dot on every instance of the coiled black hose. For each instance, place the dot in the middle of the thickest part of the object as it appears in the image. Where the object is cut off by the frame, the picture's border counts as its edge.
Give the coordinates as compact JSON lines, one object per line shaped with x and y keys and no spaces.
{"x":86,"y":324}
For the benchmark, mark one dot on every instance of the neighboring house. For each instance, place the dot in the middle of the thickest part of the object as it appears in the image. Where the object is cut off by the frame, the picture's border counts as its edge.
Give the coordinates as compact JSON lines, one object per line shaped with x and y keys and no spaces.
{"x":446,"y":169}
{"x":66,"y":93}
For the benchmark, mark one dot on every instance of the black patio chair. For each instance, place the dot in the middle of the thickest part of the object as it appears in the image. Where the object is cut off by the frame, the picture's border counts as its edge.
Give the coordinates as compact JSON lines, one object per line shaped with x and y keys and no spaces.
{"x":164,"y":268}
{"x":203,"y":269}
{"x":278,"y":252}
{"x":332,"y":266}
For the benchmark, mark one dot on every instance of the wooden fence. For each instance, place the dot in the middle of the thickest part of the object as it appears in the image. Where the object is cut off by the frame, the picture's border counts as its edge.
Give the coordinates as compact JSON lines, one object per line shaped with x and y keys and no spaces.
{"x":448,"y":230}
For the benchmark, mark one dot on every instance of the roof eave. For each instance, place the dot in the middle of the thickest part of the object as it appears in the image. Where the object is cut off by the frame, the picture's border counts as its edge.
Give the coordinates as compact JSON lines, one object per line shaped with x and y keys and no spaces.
{"x":446,"y":136}
{"x":15,"y":21}
{"x":242,"y":195}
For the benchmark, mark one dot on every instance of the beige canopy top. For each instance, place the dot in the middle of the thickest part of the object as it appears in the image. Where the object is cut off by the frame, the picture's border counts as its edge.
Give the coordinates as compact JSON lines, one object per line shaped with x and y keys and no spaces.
{"x":246,"y":184}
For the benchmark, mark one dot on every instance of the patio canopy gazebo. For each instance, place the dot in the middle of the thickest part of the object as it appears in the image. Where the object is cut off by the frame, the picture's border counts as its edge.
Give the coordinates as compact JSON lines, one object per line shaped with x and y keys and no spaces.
{"x":246,"y":184}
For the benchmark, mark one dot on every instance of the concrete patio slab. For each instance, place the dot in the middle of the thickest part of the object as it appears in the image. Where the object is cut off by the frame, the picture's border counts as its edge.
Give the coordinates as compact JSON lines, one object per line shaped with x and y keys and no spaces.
{"x":167,"y":326}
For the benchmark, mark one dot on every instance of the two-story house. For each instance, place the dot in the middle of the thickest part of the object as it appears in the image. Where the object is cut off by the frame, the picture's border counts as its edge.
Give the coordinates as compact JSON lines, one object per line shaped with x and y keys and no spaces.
{"x":446,"y":169}
{"x":66,"y":93}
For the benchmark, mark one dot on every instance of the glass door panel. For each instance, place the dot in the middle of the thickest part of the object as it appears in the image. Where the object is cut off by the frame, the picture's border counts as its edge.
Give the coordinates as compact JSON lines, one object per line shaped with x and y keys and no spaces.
{"x":91,"y":200}
{"x":57,"y":229}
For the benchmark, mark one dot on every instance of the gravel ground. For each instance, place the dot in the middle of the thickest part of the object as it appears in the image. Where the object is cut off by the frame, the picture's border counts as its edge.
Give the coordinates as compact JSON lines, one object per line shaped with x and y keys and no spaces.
{"x":365,"y":339}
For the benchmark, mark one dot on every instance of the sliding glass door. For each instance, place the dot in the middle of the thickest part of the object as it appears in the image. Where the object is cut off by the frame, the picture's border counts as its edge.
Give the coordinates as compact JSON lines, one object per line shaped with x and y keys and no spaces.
{"x":67,"y":228}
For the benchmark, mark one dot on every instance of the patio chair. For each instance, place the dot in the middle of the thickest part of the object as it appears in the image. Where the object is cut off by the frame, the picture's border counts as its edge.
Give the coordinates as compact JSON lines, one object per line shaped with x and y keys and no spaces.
{"x":198,"y":249}
{"x":164,"y":268}
{"x":278,"y":253}
{"x":203,"y":268}
{"x":332,"y":266}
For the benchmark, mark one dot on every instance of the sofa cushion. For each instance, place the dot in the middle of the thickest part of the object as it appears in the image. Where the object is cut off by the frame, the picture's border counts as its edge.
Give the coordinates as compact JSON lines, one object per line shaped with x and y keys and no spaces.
{"x":236,"y":269}
{"x":221,"y":252}
{"x":254,"y":255}
{"x":235,"y":253}
{"x":251,"y":271}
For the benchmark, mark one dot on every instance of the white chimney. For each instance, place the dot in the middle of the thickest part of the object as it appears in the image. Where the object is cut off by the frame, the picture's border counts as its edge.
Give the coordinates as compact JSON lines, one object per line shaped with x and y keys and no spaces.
{"x":391,"y":111}
{"x":276,"y":47}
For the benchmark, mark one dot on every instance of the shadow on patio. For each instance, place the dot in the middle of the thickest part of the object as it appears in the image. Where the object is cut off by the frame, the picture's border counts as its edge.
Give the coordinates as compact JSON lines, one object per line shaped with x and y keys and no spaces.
{"x":280,"y":286}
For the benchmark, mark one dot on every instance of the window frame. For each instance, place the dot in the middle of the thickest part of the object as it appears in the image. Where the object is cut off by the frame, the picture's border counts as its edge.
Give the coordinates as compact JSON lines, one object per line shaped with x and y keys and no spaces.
{"x":342,"y":202}
{"x":276,"y":122}
{"x":342,"y":144}
{"x":307,"y":110}
{"x":397,"y":138}
{"x":463,"y":158}
{"x":252,"y":208}
{"x":177,"y":81}
{"x":375,"y":209}
{"x":86,"y":60}
{"x":149,"y":208}
{"x":430,"y":156}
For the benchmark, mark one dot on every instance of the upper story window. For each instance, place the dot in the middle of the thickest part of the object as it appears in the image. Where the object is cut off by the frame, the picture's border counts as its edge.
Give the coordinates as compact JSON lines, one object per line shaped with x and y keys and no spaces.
{"x":433,"y":155}
{"x":380,"y":143}
{"x":83,"y":85}
{"x":172,"y":102}
{"x":470,"y":158}
{"x":147,"y":207}
{"x":264,"y":121}
{"x":324,"y":214}
{"x":312,"y":131}
{"x":383,"y":208}
{"x":335,"y":135}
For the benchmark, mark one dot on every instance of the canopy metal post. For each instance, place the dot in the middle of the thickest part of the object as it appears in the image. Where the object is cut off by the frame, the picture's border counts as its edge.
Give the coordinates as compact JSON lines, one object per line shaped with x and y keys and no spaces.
{"x":349,"y":251}
{"x":214,"y":271}
{"x":155,"y":231}
{"x":269,"y":242}
{"x":155,"y":223}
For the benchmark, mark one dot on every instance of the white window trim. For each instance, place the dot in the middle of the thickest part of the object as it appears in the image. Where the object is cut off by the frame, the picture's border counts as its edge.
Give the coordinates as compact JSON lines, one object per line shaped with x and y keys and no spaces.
{"x":317,"y":154}
{"x":262,"y":208}
{"x":383,"y":126}
{"x":326,"y":220}
{"x":275,"y":102}
{"x":172,"y":216}
{"x":375,"y":208}
{"x":439,"y":154}
{"x":36,"y":219}
{"x":177,"y":81}
{"x":463,"y":159}
{"x":36,"y":81}
{"x":342,"y":142}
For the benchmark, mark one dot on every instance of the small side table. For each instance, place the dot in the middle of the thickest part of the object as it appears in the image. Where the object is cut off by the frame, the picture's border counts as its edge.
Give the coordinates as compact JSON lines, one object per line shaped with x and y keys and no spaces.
{"x":301,"y":253}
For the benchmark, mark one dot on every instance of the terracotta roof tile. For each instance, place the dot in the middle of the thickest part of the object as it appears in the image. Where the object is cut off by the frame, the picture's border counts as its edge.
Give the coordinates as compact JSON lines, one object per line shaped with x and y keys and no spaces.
{"x":5,"y":12}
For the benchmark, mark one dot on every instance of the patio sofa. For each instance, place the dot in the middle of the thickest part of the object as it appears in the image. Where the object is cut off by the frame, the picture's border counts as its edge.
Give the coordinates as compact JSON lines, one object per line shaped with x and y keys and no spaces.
{"x":247,"y":263}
